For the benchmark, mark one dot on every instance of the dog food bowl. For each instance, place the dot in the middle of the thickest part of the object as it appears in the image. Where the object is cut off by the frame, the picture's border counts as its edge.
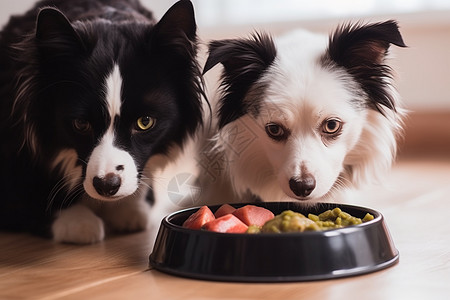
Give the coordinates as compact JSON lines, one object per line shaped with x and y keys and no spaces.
{"x":274,"y":257}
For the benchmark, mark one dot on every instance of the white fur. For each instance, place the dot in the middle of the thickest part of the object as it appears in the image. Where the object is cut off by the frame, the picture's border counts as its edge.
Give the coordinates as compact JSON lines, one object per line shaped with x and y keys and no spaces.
{"x":126,"y":210}
{"x":126,"y":215}
{"x":300,"y":95}
{"x":113,"y":92}
{"x":78,"y":224}
{"x":88,"y":221}
{"x":106,"y":157}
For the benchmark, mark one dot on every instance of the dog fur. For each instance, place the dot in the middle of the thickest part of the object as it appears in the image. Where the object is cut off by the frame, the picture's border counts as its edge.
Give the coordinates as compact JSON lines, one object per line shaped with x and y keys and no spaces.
{"x":93,"y":95}
{"x":302,"y":116}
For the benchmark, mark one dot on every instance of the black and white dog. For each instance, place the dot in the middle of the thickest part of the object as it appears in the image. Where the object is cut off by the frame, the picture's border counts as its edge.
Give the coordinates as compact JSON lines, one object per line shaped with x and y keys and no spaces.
{"x":303,"y":116}
{"x":90,"y":91}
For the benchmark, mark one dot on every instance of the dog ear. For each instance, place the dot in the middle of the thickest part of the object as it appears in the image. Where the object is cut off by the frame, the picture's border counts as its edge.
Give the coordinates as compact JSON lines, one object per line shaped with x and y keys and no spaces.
{"x":174,"y":40}
{"x":253,"y":54}
{"x":362,"y":50}
{"x":55,"y":35}
{"x":177,"y":23}
{"x":244,"y":61}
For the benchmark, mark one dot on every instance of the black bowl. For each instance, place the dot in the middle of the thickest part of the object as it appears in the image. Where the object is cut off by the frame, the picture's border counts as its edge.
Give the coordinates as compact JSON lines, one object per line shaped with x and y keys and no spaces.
{"x":274,"y":257}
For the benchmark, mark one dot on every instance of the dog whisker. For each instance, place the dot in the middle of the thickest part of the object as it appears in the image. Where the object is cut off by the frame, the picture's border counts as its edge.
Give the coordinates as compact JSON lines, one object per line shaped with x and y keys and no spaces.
{"x":63,"y":186}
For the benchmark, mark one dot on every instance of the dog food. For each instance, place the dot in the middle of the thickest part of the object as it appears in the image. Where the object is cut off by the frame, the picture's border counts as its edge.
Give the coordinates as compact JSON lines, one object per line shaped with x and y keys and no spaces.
{"x":336,"y":218}
{"x":253,"y":215}
{"x":228,"y":219}
{"x":227,"y":224}
{"x":256,"y":219}
{"x":199,"y":218}
{"x":224,"y":210}
{"x":289,"y":221}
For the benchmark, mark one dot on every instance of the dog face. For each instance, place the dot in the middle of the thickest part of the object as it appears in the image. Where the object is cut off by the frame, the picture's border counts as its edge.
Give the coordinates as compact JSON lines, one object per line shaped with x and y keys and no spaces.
{"x":307,"y":136}
{"x":319,"y":112}
{"x":108,"y":96}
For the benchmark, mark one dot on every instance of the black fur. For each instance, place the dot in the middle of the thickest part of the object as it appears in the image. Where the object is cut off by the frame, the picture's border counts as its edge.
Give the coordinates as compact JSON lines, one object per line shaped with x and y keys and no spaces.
{"x":53,"y":63}
{"x":244,"y":61}
{"x":361,"y":50}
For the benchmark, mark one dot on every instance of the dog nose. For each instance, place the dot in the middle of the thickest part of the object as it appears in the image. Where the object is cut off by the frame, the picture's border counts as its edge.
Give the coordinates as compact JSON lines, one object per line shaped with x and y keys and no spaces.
{"x":304,"y":186}
{"x":107,"y":185}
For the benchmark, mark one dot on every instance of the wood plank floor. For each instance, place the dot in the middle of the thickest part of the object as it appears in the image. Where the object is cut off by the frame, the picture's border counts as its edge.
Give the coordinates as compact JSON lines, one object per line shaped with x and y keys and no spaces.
{"x":414,"y":201}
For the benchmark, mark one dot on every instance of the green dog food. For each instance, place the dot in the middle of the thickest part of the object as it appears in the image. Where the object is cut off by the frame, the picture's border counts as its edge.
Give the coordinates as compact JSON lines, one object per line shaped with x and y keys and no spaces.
{"x":290,"y":221}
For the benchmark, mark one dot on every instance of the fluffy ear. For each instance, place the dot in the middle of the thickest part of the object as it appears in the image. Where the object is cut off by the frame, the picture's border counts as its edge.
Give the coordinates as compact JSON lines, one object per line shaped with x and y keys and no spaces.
{"x":55,"y":35}
{"x":174,"y":40}
{"x":362,"y":50}
{"x":235,"y":55}
{"x":244,"y":61}
{"x":178,"y":23}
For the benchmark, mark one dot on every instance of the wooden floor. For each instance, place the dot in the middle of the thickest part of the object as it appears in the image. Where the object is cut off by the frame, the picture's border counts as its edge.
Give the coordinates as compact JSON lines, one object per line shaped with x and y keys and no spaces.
{"x":415,"y":202}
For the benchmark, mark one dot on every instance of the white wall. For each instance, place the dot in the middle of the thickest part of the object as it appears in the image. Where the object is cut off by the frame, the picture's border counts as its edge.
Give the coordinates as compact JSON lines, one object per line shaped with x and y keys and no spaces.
{"x":423,"y":68}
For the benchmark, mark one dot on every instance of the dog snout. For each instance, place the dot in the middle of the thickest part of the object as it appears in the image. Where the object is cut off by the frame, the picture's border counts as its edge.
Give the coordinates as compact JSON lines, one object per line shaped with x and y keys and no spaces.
{"x":107,"y":185}
{"x":303,"y":186}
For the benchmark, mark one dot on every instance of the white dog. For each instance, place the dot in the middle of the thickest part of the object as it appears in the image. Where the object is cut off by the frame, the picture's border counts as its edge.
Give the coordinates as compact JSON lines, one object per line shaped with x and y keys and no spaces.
{"x":302,"y":116}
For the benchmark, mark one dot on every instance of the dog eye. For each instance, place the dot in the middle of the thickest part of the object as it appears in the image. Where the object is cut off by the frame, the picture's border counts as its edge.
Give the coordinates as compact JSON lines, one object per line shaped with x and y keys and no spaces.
{"x":145,"y":123}
{"x":332,"y":126}
{"x":276,"y":131}
{"x":81,"y":125}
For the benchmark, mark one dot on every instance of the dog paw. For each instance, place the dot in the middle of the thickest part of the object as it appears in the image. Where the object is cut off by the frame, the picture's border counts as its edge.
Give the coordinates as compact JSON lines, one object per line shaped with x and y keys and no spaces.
{"x":128,"y":216}
{"x":78,"y":225}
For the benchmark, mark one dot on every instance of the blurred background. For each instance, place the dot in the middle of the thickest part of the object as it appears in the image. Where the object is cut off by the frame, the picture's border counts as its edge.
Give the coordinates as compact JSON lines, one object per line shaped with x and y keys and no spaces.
{"x":423,"y":68}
